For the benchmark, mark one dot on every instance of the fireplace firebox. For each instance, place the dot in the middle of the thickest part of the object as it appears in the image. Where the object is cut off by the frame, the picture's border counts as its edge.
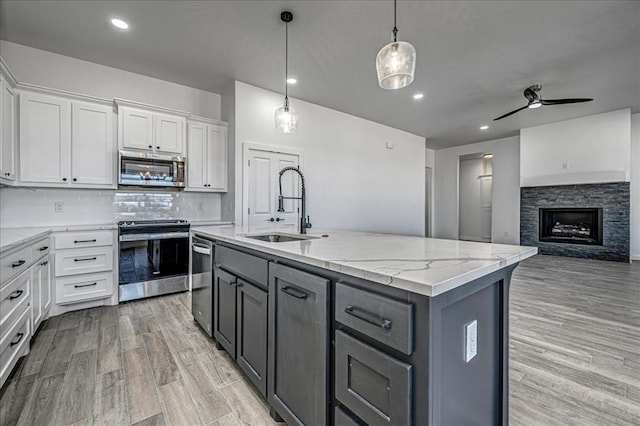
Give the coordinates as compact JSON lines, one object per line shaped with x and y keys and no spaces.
{"x":571,"y":225}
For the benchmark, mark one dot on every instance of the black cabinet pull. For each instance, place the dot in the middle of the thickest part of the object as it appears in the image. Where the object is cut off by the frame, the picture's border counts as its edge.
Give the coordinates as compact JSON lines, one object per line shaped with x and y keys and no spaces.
{"x":45,"y":263}
{"x":16,"y":294}
{"x":17,"y":339}
{"x":85,"y":259}
{"x":18,"y":263}
{"x":75,"y":179}
{"x":64,"y":179}
{"x":291,"y":291}
{"x":43,"y":248}
{"x":157,"y":147}
{"x":150,"y":146}
{"x":272,"y":220}
{"x":279,"y":219}
{"x":84,"y":241}
{"x":84,"y":285}
{"x":369,"y":317}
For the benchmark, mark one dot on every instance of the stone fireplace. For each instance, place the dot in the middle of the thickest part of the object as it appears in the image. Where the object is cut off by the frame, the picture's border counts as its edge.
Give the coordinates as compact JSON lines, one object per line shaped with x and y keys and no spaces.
{"x":588,"y":220}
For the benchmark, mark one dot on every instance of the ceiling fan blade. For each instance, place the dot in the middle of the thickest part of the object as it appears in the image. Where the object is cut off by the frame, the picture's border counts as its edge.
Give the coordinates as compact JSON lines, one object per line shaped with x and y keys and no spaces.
{"x":564,"y":101}
{"x":510,"y":113}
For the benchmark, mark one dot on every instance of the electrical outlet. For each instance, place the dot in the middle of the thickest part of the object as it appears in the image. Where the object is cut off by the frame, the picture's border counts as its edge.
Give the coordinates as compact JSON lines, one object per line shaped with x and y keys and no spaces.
{"x":58,"y":207}
{"x":470,"y":340}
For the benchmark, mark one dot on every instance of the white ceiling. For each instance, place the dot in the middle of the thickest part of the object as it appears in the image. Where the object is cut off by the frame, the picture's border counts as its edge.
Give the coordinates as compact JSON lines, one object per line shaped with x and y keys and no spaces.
{"x":474,"y":57}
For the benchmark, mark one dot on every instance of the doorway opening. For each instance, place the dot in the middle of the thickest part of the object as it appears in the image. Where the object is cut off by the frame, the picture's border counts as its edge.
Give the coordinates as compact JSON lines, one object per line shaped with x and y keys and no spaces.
{"x":475,"y":184}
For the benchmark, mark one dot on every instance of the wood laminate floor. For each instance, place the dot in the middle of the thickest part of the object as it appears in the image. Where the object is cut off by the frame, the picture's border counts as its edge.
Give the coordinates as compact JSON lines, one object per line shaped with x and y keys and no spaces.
{"x":574,"y":354}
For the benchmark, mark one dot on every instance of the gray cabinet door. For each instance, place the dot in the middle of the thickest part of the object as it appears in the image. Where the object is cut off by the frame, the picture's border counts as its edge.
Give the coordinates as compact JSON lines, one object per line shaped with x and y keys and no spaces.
{"x":298,"y":345}
{"x":224,"y":298}
{"x":252,"y":333}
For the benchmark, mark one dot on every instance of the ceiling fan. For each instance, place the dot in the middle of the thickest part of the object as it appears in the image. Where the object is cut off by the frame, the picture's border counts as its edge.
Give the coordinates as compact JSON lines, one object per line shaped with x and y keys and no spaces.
{"x":535,"y":101}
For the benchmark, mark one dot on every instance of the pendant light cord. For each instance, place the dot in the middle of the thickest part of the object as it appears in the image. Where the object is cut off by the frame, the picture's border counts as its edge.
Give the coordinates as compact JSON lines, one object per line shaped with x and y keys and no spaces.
{"x":395,"y":28}
{"x":286,"y":63}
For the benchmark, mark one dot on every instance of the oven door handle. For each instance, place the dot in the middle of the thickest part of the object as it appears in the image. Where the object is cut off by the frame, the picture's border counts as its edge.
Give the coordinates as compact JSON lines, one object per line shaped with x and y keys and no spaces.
{"x":206,"y":251}
{"x":153,"y":236}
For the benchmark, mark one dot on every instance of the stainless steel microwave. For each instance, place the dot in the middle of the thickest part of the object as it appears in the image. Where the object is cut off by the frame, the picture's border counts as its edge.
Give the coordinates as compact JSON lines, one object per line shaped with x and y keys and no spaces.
{"x":151,"y":170}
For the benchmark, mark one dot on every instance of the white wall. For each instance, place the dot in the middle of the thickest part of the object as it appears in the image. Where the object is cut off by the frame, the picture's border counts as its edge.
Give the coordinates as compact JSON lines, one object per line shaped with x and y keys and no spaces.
{"x":21,"y":207}
{"x":505,"y":215}
{"x":354,"y":182}
{"x":42,"y":68}
{"x":592,"y":149}
{"x":635,"y":187}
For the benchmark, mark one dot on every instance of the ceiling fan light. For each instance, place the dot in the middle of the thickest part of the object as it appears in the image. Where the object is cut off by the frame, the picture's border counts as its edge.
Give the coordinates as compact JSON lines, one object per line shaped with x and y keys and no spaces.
{"x":534,"y":104}
{"x":286,"y":119}
{"x":396,"y":65}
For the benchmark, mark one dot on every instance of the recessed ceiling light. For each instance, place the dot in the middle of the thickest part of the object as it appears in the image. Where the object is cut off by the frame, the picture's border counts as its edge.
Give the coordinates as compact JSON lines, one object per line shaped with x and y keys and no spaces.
{"x":119,"y":23}
{"x":488,"y":156}
{"x":418,"y":96}
{"x":291,"y":81}
{"x":484,"y":127}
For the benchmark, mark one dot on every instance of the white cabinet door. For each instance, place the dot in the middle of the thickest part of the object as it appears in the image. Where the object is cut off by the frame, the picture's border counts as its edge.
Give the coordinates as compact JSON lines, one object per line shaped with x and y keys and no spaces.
{"x":7,"y":132}
{"x":93,"y":158}
{"x":45,"y":139}
{"x":40,"y":291}
{"x":136,"y":128}
{"x":169,"y":133}
{"x":217,"y":158}
{"x":197,"y":158}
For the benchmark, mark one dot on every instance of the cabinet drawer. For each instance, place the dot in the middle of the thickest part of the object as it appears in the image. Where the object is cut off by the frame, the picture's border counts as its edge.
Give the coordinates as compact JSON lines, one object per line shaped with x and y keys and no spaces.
{"x":40,"y":249}
{"x":13,"y":343}
{"x":244,"y":265}
{"x":85,"y":287}
{"x":343,"y":419}
{"x":84,"y":261}
{"x":14,"y":298}
{"x":384,"y":319}
{"x":372,"y":384}
{"x":83,"y":239}
{"x":14,"y":264}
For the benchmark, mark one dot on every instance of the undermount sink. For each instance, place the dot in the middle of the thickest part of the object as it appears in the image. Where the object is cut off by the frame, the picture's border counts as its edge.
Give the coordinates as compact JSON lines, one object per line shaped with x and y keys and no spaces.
{"x":280,"y":238}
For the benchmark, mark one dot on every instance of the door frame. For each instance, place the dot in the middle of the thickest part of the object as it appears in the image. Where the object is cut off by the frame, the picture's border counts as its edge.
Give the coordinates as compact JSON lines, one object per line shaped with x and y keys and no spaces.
{"x":251,"y":146}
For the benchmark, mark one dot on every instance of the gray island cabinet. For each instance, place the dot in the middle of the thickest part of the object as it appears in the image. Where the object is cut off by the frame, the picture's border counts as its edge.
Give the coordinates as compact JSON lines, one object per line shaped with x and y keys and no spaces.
{"x":367,"y":329}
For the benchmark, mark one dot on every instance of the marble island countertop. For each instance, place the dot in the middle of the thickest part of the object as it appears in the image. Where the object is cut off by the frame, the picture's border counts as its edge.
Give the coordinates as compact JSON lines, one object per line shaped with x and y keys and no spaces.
{"x":426,"y":266}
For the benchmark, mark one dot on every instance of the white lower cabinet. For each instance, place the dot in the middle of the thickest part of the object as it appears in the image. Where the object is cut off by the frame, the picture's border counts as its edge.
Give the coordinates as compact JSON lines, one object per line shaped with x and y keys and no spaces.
{"x":84,"y":267}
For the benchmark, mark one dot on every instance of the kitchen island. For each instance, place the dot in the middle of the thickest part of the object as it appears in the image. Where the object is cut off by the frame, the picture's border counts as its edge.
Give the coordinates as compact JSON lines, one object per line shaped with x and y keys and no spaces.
{"x":360,"y":328}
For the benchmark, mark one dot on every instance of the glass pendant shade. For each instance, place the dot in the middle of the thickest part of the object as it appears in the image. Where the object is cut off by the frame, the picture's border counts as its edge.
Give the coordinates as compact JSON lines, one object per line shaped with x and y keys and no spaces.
{"x":286,"y":119}
{"x":396,"y":65}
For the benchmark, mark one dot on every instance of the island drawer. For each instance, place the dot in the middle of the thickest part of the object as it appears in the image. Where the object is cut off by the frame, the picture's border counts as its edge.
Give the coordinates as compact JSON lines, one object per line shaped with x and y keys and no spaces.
{"x":245,"y":265}
{"x":67,"y":240}
{"x":341,"y":418}
{"x":386,"y":320}
{"x":372,"y":384}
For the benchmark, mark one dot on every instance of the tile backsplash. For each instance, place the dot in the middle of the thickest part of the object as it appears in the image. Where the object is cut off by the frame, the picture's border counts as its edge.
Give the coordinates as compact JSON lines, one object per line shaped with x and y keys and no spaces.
{"x":50,"y":207}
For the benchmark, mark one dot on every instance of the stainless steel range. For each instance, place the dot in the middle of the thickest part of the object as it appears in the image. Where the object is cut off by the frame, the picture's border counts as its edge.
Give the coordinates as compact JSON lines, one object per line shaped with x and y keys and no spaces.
{"x":154,"y":258}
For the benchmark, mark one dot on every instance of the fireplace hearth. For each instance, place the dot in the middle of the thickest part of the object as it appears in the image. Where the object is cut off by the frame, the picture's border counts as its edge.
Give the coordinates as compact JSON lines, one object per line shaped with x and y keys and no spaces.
{"x":571,"y":225}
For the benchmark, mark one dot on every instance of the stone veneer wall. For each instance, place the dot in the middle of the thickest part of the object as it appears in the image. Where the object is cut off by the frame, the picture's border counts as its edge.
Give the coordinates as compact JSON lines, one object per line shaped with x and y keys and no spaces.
{"x":614,"y":198}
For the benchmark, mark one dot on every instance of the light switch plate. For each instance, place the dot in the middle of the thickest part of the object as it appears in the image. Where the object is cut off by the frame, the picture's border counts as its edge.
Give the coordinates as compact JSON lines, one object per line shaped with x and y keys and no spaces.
{"x":470,"y":340}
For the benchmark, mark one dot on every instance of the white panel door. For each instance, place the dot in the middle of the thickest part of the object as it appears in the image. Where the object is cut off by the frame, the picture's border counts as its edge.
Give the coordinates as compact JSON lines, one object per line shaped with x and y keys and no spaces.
{"x":45,"y":139}
{"x":45,"y":288}
{"x":217,"y":153}
{"x":40,"y":291}
{"x":169,"y":133}
{"x":8,"y":132}
{"x":137,"y":128}
{"x":197,"y":158}
{"x":264,"y":189}
{"x":93,"y":157}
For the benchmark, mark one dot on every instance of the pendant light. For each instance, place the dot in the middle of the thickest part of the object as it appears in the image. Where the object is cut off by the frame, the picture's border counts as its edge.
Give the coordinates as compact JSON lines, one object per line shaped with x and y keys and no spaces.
{"x":396,"y":62}
{"x":286,"y":117}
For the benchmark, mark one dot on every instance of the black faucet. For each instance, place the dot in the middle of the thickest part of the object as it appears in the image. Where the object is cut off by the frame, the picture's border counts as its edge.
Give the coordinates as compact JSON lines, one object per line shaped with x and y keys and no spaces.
{"x":304,"y":221}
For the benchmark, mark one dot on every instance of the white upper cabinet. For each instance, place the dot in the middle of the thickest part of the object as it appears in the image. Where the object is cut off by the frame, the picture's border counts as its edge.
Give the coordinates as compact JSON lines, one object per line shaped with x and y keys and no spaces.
{"x":45,"y":139}
{"x":65,"y":143}
{"x":217,"y":155}
{"x":7,"y":133}
{"x":137,"y":128}
{"x":92,"y":144}
{"x":207,"y":157}
{"x":147,"y":130}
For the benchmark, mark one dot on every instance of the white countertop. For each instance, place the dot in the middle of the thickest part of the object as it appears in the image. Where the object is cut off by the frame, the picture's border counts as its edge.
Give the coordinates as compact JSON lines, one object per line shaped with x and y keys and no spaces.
{"x":426,"y":266}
